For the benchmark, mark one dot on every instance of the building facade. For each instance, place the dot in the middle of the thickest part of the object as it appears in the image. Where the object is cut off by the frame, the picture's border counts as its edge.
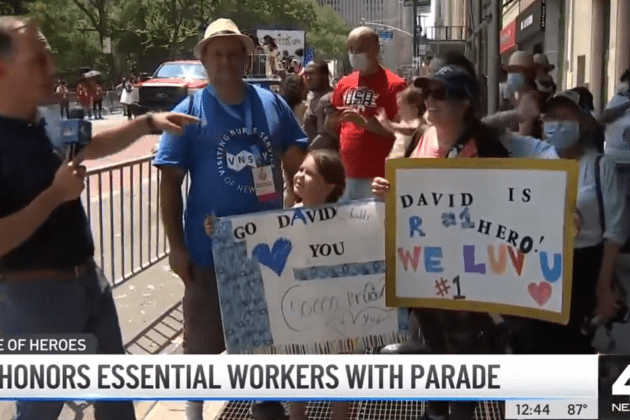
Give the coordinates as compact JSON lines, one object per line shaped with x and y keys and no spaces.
{"x":597,"y":45}
{"x":587,"y":40}
{"x":536,"y":26}
{"x":450,"y":12}
{"x":380,"y":12}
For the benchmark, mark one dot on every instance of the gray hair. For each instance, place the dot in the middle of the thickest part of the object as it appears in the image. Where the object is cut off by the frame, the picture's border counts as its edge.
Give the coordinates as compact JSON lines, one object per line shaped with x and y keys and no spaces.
{"x":9,"y":25}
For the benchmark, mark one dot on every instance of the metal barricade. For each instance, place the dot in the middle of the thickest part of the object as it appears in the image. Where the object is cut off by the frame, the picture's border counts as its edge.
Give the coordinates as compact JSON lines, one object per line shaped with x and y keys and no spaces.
{"x":122,"y":203}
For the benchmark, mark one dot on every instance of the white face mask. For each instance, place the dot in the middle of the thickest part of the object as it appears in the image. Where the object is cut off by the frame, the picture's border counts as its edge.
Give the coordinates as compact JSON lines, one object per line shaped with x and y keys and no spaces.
{"x":359,"y":61}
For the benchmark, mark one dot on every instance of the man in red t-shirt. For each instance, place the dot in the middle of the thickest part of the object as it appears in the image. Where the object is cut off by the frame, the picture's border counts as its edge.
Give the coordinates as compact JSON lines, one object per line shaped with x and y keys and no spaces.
{"x":364,"y":142}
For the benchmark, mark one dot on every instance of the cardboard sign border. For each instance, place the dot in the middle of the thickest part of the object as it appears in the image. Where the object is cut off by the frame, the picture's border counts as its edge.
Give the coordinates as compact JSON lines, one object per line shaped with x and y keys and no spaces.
{"x":570,"y":167}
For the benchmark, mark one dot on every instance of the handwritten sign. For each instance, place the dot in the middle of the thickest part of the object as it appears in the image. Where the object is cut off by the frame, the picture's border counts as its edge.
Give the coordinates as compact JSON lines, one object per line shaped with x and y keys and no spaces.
{"x":492,"y":235}
{"x":305,"y":280}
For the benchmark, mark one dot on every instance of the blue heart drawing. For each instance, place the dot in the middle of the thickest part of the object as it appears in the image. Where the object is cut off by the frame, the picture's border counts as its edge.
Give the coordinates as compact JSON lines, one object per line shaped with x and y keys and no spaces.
{"x":276,"y":258}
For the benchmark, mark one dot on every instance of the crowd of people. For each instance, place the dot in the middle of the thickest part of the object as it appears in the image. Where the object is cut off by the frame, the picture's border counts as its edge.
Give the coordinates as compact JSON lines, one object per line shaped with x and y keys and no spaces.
{"x":322,"y":143}
{"x":89,"y":96}
{"x":90,"y":93}
{"x":372,"y":115}
{"x":269,"y":60}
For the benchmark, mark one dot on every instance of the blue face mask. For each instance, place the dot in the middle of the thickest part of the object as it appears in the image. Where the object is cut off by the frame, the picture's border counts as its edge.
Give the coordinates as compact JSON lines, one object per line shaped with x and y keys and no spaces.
{"x":562,"y":134}
{"x":516,"y":81}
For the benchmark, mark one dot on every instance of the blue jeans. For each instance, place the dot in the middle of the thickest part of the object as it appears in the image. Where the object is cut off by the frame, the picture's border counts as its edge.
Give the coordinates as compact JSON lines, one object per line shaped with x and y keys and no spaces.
{"x":80,"y":305}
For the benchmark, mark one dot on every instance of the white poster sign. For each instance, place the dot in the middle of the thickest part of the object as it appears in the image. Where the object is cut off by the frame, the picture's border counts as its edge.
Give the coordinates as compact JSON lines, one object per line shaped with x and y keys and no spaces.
{"x":289,"y":41}
{"x":305,"y":280}
{"x":490,"y":235}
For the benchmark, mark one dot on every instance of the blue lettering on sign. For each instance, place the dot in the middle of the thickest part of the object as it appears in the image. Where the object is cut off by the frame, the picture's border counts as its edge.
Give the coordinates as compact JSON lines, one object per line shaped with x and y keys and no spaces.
{"x":414,"y":226}
{"x":551,"y":274}
{"x":432,"y":257}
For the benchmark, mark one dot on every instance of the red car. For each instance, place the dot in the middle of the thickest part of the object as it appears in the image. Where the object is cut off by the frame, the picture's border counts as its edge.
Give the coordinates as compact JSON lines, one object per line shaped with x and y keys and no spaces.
{"x":170,"y":84}
{"x":174,"y":80}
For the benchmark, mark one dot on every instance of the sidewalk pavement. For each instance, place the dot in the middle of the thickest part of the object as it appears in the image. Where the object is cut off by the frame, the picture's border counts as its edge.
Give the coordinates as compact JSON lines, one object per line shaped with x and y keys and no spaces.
{"x":140,"y":301}
{"x":176,"y":410}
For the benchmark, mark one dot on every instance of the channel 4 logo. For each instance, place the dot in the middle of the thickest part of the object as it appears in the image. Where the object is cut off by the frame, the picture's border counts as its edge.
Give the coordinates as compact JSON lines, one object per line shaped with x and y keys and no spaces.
{"x":614,"y":387}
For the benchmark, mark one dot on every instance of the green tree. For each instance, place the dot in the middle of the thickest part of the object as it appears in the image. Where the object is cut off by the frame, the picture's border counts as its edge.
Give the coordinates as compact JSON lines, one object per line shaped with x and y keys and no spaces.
{"x":325,"y":30}
{"x":98,"y":14}
{"x":147,"y":32}
{"x":250,"y":14}
{"x":15,"y":7}
{"x":328,"y":35}
{"x":59,"y":21}
{"x":100,"y":17}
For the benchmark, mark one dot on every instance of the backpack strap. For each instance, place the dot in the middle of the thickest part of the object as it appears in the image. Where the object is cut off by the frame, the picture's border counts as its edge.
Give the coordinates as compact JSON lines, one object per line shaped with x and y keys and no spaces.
{"x":600,"y":196}
{"x":415,"y":139}
{"x":190,"y":105}
{"x":461,"y":142}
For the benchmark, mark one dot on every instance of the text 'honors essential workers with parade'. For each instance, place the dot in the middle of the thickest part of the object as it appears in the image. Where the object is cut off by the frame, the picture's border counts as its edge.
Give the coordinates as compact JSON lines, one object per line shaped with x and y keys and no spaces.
{"x":249,"y":376}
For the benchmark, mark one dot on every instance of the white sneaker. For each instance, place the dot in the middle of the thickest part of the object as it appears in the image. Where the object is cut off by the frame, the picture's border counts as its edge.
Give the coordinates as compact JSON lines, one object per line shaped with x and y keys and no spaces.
{"x":194,"y":410}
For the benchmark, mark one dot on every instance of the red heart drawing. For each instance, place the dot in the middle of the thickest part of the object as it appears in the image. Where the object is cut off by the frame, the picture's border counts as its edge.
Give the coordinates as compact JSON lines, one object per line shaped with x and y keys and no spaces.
{"x":540,"y":292}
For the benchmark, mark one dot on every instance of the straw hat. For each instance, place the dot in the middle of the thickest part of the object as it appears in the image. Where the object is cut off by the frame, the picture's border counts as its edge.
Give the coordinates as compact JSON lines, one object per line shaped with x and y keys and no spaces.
{"x":222,"y":28}
{"x":542,"y":61}
{"x":521,"y":60}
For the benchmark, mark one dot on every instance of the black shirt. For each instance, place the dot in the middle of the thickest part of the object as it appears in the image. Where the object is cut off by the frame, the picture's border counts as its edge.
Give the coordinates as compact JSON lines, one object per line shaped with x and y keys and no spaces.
{"x":28,"y":164}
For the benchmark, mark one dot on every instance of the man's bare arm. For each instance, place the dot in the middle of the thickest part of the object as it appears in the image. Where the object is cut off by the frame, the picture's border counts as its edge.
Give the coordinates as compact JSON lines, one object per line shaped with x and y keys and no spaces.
{"x":172,"y":205}
{"x":612,"y":114}
{"x":116,"y":139}
{"x":502,"y":120}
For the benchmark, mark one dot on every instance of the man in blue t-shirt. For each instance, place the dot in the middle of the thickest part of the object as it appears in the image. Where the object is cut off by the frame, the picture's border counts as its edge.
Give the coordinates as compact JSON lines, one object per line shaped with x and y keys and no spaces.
{"x":235,"y":160}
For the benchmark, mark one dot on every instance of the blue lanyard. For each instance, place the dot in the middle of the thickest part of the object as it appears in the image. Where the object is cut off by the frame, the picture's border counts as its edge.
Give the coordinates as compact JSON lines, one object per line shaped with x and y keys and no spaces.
{"x":247,"y":105}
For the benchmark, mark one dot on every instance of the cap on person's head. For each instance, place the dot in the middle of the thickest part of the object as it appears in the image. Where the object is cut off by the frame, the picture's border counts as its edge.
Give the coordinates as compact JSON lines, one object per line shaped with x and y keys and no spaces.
{"x":521,"y":60}
{"x":568,"y":98}
{"x":453,"y":58}
{"x":542,"y":61}
{"x":586,"y":98}
{"x":222,"y":28}
{"x":458,"y":82}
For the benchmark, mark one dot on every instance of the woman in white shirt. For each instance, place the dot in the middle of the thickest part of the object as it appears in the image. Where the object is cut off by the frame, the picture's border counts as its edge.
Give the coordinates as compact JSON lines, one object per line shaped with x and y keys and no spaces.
{"x":602,"y":233}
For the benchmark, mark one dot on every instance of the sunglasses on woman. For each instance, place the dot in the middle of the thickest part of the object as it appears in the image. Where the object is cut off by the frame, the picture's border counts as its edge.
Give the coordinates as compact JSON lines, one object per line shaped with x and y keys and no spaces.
{"x":439,"y":94}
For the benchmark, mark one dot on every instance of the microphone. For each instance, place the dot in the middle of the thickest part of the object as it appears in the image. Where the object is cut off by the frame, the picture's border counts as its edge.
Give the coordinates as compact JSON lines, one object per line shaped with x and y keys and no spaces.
{"x":67,"y":137}
{"x":74,"y":136}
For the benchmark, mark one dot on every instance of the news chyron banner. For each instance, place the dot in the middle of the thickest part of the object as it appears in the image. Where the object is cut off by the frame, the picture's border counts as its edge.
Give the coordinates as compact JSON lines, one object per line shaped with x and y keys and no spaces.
{"x":536,"y":386}
{"x":300,"y":377}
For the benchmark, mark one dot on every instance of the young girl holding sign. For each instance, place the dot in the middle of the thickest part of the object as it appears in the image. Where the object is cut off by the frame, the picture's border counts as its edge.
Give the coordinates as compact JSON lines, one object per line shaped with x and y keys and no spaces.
{"x":320,"y":180}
